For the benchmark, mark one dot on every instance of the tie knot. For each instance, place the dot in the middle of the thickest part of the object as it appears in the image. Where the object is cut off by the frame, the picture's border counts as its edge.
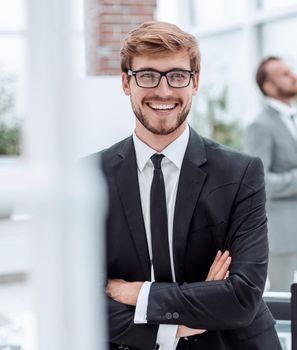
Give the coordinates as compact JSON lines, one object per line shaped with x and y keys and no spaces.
{"x":157,"y":159}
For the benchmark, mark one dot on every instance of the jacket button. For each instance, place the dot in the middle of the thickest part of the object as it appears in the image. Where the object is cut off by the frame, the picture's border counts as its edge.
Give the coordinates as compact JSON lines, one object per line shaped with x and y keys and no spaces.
{"x":175,"y":315}
{"x":168,"y":315}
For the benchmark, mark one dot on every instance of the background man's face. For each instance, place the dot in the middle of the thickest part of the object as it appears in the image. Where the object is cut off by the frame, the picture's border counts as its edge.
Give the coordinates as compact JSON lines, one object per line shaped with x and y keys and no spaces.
{"x":282,"y":78}
{"x":163,"y":109}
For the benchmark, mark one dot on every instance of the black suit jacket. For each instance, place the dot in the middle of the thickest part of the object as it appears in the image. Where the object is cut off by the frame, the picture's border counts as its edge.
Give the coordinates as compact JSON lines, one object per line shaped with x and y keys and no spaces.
{"x":220,"y":204}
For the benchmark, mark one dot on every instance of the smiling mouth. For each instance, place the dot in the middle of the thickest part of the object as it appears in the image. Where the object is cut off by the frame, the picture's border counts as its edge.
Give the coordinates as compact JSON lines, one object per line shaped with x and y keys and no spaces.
{"x":161,"y":107}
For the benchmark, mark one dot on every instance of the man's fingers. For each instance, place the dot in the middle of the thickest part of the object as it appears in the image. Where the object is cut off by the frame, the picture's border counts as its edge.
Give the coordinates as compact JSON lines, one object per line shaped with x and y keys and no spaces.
{"x":220,"y":266}
{"x":217,"y":258}
{"x":221,"y":263}
{"x":221,"y":273}
{"x":184,"y":331}
{"x":212,"y":268}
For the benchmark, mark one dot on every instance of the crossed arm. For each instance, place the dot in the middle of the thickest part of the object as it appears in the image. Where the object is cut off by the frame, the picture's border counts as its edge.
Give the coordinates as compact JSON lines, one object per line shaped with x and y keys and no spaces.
{"x":127,"y":292}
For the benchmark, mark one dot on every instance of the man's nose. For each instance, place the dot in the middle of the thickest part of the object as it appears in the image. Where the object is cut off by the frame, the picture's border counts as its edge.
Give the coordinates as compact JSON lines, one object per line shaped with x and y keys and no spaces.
{"x":163,"y":87}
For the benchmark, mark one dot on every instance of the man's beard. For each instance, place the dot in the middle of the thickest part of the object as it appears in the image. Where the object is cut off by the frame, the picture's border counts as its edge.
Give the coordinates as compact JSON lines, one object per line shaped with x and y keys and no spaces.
{"x":287,"y":93}
{"x":181,"y":117}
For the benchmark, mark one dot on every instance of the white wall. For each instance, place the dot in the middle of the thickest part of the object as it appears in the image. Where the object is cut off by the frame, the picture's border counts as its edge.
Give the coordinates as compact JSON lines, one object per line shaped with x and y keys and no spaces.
{"x":103,"y":114}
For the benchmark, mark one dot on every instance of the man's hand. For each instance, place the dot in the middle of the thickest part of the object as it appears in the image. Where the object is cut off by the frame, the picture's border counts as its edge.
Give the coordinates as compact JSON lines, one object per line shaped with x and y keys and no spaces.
{"x":219,"y":270}
{"x":122,"y":291}
{"x":184,"y":331}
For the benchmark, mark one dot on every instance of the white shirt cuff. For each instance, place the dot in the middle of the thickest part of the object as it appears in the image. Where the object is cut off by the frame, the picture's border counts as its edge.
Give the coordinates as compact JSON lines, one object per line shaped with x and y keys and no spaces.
{"x":142,"y":302}
{"x":166,"y":336}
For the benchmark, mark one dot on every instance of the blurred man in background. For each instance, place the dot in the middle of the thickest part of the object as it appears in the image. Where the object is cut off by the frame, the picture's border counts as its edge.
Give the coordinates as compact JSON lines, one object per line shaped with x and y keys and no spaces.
{"x":273,"y":137}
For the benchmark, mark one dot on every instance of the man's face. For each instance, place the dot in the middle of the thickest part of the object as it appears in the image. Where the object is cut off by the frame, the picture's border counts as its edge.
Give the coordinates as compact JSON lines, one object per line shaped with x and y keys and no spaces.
{"x":281,"y":82}
{"x":163,"y":109}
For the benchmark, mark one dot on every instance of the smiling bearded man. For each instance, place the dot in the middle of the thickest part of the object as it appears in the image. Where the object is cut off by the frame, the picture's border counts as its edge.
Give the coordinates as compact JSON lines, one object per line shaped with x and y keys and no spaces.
{"x":180,"y":206}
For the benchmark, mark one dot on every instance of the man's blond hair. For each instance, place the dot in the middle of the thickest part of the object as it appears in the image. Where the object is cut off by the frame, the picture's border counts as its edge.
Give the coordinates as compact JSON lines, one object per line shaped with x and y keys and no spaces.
{"x":159,"y":38}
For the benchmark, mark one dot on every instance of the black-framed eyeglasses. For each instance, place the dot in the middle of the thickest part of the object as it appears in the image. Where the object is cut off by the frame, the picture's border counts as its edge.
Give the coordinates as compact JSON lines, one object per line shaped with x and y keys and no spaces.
{"x":148,"y":78}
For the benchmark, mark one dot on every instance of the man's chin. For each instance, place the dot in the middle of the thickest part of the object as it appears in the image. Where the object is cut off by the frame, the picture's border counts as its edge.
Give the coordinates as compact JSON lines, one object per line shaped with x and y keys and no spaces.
{"x":163,"y":129}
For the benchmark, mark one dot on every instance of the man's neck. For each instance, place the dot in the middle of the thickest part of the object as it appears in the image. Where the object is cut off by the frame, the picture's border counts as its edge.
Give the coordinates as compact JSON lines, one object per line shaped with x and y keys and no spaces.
{"x":158,"y":142}
{"x":280,"y":106}
{"x":287,"y":101}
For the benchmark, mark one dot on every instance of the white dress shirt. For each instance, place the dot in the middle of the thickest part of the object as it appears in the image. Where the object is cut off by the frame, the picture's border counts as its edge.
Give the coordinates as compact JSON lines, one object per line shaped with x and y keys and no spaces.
{"x":286,"y":112}
{"x":171,"y":166}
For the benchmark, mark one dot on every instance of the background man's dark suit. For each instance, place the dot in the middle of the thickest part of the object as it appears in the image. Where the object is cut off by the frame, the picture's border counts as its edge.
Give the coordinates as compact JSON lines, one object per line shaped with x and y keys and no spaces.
{"x":220,"y":204}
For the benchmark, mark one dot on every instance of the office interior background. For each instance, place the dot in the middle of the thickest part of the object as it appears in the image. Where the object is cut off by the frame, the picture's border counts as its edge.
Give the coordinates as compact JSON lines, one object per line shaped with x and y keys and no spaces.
{"x":58,"y":104}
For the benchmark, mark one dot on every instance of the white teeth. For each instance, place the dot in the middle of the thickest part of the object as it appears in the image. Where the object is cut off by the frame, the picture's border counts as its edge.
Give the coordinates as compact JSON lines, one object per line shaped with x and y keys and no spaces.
{"x":162,"y":107}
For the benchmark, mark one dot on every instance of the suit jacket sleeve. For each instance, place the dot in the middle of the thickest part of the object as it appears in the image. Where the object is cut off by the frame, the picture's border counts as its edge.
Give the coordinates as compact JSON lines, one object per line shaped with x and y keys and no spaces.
{"x":259,"y":142}
{"x":122,"y":329}
{"x":231,"y":303}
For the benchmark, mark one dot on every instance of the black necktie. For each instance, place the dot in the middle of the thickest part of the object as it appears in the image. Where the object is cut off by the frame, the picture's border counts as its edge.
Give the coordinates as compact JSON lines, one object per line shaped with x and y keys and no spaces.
{"x":159,"y":224}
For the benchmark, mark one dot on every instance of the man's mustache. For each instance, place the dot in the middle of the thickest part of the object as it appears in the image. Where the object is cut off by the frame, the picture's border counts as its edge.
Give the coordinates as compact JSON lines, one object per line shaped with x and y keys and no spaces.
{"x":157,"y":98}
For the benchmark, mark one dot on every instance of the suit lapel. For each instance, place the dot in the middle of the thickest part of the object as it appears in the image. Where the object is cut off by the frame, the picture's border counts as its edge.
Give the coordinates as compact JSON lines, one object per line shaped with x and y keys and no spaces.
{"x":190,"y":184}
{"x":128,"y":187}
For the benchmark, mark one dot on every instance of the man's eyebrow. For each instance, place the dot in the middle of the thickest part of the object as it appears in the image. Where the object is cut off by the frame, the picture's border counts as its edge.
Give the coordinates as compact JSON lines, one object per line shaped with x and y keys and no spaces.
{"x":156,"y":70}
{"x":146,"y":68}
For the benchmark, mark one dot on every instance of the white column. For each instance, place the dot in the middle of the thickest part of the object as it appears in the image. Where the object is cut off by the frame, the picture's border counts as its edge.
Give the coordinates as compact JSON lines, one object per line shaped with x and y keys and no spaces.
{"x":67,"y":275}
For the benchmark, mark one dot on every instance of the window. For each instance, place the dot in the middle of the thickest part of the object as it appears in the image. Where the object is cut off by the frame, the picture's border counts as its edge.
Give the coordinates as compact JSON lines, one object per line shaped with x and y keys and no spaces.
{"x":273,"y":4}
{"x":273,"y":34}
{"x":214,"y":12}
{"x":12,"y":73}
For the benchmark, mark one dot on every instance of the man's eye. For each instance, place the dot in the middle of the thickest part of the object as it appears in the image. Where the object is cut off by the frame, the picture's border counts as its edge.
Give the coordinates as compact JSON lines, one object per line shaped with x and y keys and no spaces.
{"x":178,"y":76}
{"x":148,"y":75}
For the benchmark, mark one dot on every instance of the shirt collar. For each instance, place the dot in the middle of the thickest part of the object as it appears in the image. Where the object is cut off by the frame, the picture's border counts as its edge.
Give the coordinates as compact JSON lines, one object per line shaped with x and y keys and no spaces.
{"x":281,"y":107}
{"x":175,"y":151}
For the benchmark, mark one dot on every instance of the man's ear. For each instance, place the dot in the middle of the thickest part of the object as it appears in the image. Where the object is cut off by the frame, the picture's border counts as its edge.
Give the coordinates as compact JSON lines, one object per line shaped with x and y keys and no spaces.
{"x":125,"y":84}
{"x":195,"y":83}
{"x":269,"y":88}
